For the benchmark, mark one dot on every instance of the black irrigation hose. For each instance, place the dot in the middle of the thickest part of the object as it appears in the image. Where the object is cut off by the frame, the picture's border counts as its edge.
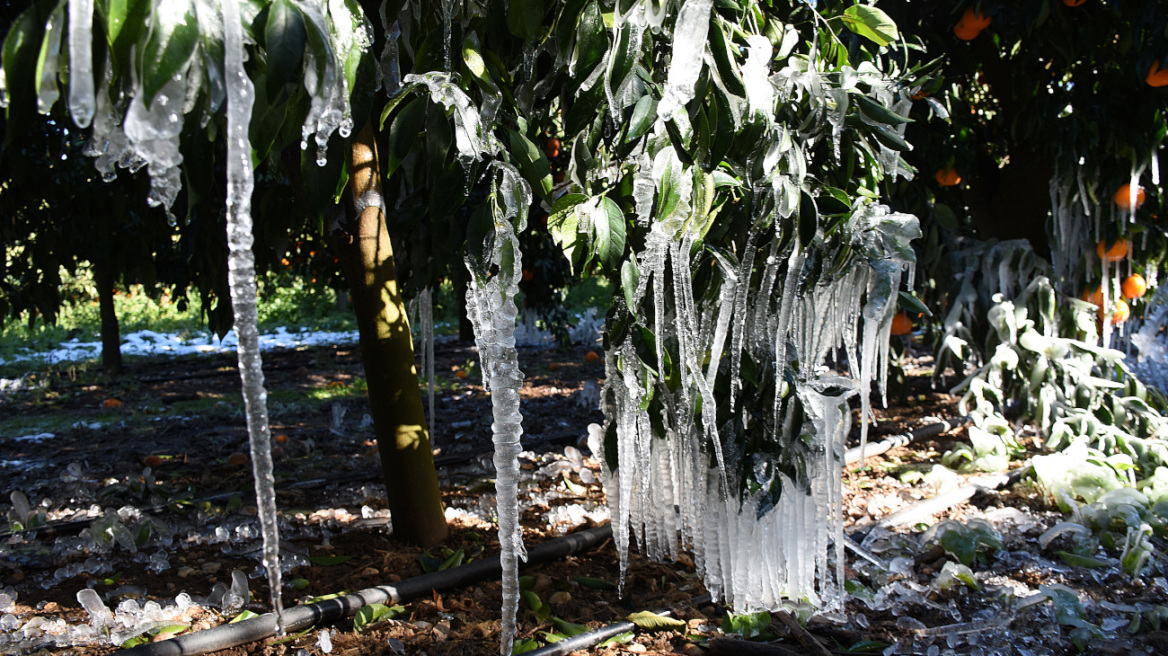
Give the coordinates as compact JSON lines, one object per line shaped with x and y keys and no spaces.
{"x":588,"y":639}
{"x":887,"y":444}
{"x":299,"y":618}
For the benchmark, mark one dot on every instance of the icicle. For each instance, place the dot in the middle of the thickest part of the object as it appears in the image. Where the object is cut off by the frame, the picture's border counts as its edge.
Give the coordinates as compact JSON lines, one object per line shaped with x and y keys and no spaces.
{"x":689,"y":45}
{"x":493,"y":301}
{"x":81,"y":94}
{"x":47,"y":90}
{"x":241,"y":279}
{"x":154,"y":135}
{"x":760,"y":93}
{"x":470,"y":137}
{"x":449,"y":9}
{"x":390,"y":64}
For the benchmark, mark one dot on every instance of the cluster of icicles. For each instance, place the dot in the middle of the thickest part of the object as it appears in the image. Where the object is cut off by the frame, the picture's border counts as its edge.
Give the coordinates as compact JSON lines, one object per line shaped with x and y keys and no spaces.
{"x":750,"y":555}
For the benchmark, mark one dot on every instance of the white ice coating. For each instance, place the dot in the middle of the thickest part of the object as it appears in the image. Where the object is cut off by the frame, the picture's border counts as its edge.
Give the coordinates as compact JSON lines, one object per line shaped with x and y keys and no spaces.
{"x":47,"y":90}
{"x":81,"y":94}
{"x":154,"y":136}
{"x":760,"y":94}
{"x":492,"y":310}
{"x":689,"y":47}
{"x":422,"y":317}
{"x":329,"y":109}
{"x":469,"y":136}
{"x":242,"y":282}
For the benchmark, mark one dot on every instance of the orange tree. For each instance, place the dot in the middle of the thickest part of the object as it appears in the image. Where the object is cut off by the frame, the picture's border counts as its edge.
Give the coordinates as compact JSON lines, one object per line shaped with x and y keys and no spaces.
{"x":1033,"y":129}
{"x":725,"y":167}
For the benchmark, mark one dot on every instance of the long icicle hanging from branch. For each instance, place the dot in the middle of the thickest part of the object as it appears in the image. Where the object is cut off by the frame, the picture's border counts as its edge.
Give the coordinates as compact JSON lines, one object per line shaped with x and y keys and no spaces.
{"x":241,"y":278}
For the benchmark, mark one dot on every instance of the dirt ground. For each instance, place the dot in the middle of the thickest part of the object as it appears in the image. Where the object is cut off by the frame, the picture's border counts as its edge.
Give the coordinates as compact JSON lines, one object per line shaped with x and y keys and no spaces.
{"x":159,"y":452}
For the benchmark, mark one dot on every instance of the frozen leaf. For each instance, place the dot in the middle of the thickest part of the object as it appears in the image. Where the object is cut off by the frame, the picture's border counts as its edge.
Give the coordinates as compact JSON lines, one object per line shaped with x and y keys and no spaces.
{"x":651,"y":621}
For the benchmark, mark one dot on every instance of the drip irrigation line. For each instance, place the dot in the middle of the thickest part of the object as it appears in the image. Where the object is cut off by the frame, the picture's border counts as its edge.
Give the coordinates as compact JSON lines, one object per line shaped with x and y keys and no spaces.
{"x":299,"y":618}
{"x":861,"y":453}
{"x":591,"y":638}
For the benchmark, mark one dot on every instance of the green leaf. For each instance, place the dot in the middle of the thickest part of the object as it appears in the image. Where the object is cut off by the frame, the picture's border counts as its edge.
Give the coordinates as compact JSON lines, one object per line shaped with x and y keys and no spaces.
{"x":50,"y":48}
{"x":524,"y":645}
{"x":173,"y":37}
{"x":367,"y":615}
{"x":630,"y":278}
{"x":298,"y":584}
{"x":1078,"y":560}
{"x":573,"y":487}
{"x":878,"y":112}
{"x":533,"y":164}
{"x":865,"y":646}
{"x":609,"y":234}
{"x":621,"y":639}
{"x":748,"y":625}
{"x":591,"y":40}
{"x":913,"y":304}
{"x":569,"y":629}
{"x":285,"y":38}
{"x":650,"y":621}
{"x":945,"y":216}
{"x":563,"y":224}
{"x":725,"y":61}
{"x":524,"y":18}
{"x":453,"y":560}
{"x":870,"y":23}
{"x":403,"y":132}
{"x":808,"y":219}
{"x":243,"y":616}
{"x":644,"y":114}
{"x":594,"y":584}
{"x":329,"y":561}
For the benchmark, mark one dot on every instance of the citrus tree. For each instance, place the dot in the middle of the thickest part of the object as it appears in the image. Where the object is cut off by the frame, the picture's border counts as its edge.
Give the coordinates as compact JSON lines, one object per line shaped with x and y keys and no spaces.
{"x":723,"y":163}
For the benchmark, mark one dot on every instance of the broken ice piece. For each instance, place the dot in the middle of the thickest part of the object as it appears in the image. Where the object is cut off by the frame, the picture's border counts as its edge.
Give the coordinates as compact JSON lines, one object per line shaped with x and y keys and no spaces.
{"x":325,"y":642}
{"x":92,"y":603}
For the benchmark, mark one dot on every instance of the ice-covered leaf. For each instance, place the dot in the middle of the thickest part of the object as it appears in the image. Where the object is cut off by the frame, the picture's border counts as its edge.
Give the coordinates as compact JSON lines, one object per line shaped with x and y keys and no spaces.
{"x":608,"y":226}
{"x":594,"y":584}
{"x":871,"y":23}
{"x":173,"y":36}
{"x":563,"y":223}
{"x":1081,"y":560}
{"x":748,"y":625}
{"x":650,"y":621}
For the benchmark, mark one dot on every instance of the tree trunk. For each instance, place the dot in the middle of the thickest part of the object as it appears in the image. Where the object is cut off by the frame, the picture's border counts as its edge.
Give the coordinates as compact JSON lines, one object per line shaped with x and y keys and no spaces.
{"x":387,"y":351}
{"x":111,"y":337}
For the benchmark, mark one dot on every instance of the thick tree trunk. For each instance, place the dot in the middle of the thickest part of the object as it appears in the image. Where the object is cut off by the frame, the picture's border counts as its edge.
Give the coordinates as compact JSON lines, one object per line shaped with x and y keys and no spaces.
{"x":111,"y":337}
{"x":387,"y":351}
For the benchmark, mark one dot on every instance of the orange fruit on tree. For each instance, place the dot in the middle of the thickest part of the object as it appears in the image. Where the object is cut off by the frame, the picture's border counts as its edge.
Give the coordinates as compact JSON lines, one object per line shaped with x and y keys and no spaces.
{"x":965,"y":32}
{"x":1095,"y":298}
{"x":974,"y":19}
{"x":1134,"y":286}
{"x":1157,"y":77}
{"x":901,"y":324}
{"x":947,"y":177}
{"x":237,"y":459}
{"x":591,"y":356}
{"x":1123,"y":197}
{"x":1073,"y":3}
{"x":461,"y":373}
{"x":281,"y":438}
{"x":1122,"y":312}
{"x":1117,"y":252}
{"x":552,"y":147}
{"x":528,"y":274}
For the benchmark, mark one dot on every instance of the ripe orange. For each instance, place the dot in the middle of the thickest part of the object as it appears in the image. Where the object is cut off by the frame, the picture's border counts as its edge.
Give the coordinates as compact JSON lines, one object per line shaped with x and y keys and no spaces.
{"x":947,"y":177}
{"x":975,"y":20}
{"x":1134,"y":286}
{"x":112,"y":403}
{"x":552,"y":148}
{"x":1073,"y":3}
{"x":1095,"y":298}
{"x":966,"y":32}
{"x":528,"y":274}
{"x":153,"y":462}
{"x":1157,"y":77}
{"x":1122,"y":312}
{"x":901,"y":324}
{"x":237,"y":459}
{"x":591,"y":356}
{"x":1123,"y":198}
{"x":555,"y":366}
{"x":1117,"y":252}
{"x":281,"y":438}
{"x":461,"y":373}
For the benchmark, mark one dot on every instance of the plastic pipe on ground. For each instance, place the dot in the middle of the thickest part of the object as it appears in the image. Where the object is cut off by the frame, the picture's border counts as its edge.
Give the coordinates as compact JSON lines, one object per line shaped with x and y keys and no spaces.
{"x":299,"y":618}
{"x":887,"y":444}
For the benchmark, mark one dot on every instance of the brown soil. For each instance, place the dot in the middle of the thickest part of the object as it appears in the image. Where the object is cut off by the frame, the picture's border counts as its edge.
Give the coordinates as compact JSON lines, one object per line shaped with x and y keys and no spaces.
{"x":188,"y":415}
